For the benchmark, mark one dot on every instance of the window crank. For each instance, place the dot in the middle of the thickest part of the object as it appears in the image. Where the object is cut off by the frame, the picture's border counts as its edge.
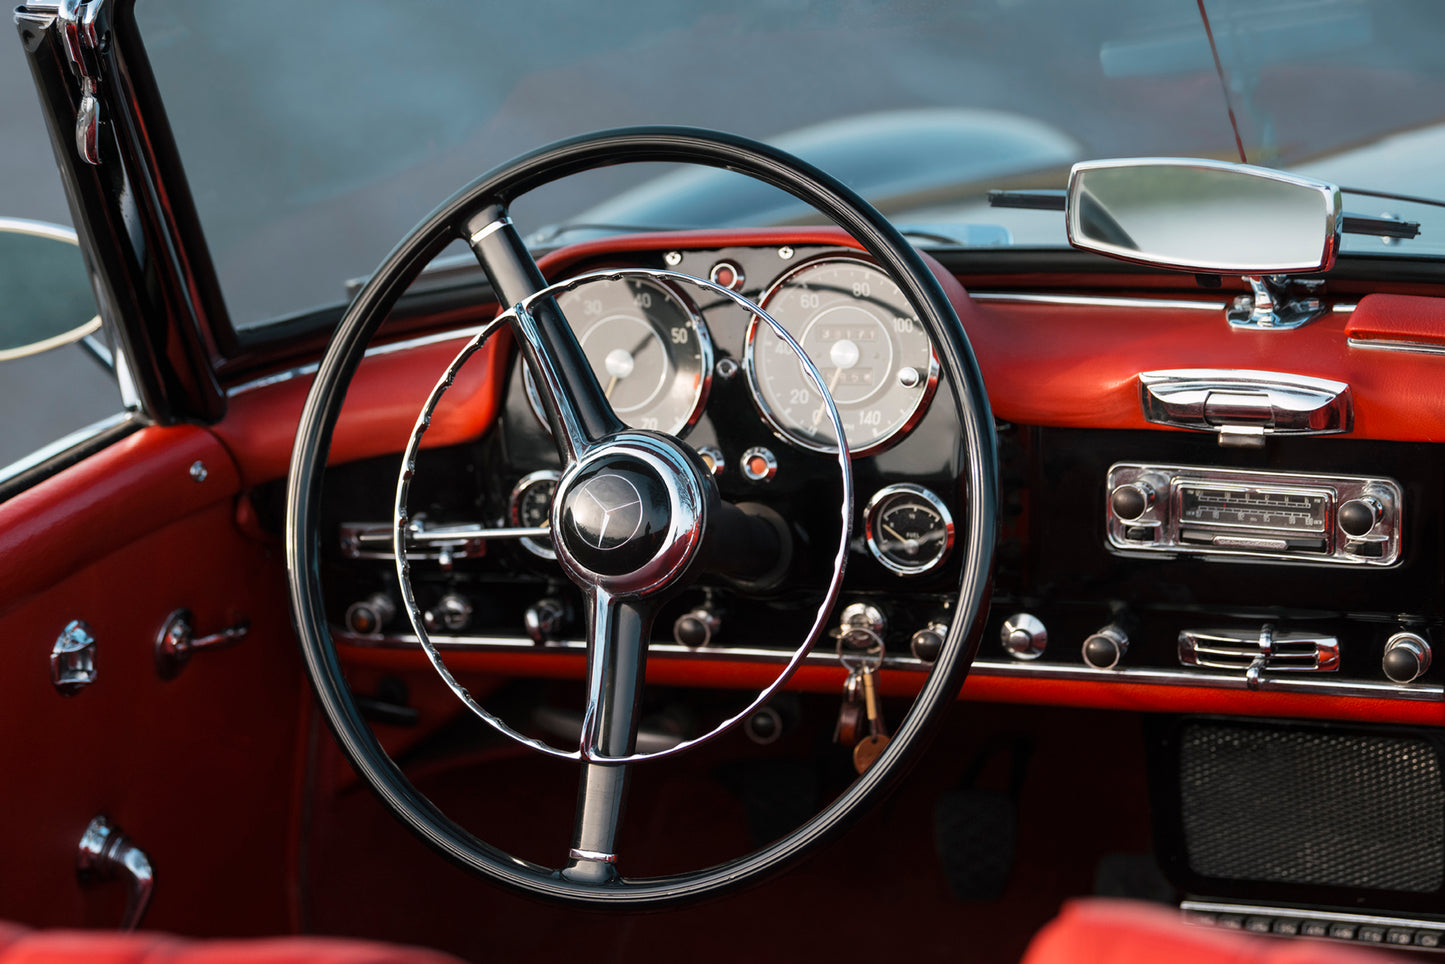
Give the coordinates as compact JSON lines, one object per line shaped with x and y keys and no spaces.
{"x":177,"y":641}
{"x":106,"y":853}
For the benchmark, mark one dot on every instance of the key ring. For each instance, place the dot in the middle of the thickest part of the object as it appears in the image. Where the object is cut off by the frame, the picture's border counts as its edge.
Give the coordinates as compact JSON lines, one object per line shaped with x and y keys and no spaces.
{"x":860,"y":659}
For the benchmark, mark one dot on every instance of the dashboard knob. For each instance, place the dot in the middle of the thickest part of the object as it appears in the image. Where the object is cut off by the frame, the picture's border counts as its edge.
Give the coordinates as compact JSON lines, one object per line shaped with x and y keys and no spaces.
{"x":367,"y":617}
{"x":1407,"y":657}
{"x":544,"y":619}
{"x":697,"y":628}
{"x":927,"y":643}
{"x":1024,"y":636}
{"x":451,"y":613}
{"x":1358,"y":516}
{"x":1132,"y":500}
{"x":1104,"y":649}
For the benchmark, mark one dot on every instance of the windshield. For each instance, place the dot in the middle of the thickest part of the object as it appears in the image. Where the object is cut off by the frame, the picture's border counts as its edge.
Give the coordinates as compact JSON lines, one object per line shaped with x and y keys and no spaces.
{"x":315,"y":135}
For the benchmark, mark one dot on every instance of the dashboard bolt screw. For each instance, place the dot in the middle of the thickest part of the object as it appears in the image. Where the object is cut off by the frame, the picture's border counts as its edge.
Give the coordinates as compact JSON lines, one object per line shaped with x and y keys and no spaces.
{"x":672,"y":259}
{"x":198,"y":471}
{"x":726,"y":368}
{"x":785,"y":252}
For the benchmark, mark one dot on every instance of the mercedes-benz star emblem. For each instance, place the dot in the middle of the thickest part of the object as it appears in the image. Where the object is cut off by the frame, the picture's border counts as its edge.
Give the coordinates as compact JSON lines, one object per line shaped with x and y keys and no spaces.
{"x":620,"y":505}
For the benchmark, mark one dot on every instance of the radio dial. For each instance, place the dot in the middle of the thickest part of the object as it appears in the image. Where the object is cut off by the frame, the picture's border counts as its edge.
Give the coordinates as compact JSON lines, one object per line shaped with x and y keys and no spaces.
{"x":1359,"y":516}
{"x":1132,"y":500}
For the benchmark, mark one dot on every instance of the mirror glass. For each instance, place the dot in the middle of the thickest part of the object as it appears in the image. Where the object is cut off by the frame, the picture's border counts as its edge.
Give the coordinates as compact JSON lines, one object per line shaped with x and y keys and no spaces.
{"x":1204,"y":216}
{"x":45,"y":295}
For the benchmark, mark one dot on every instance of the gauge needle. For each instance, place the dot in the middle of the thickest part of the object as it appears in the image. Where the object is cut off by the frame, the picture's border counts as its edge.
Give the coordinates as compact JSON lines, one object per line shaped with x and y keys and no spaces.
{"x":818,"y":415}
{"x":610,"y":386}
{"x":893,"y":532}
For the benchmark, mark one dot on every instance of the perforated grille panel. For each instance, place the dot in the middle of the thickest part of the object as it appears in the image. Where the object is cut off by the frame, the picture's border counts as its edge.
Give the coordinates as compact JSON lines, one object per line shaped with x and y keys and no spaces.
{"x":1296,"y":806}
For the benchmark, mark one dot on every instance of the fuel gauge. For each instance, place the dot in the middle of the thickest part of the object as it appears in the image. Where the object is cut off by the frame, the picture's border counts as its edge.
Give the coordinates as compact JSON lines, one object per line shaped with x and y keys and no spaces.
{"x":908,"y":529}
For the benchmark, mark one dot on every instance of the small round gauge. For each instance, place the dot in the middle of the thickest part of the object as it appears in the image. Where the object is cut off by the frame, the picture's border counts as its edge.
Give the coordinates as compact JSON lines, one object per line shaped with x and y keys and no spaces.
{"x":859,"y":330}
{"x":649,"y":348}
{"x":531,"y":506}
{"x":908,"y":528}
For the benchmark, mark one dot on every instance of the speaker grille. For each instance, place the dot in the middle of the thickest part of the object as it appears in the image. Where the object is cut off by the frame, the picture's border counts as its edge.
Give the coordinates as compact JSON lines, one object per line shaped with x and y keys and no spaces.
{"x":1301,"y":806}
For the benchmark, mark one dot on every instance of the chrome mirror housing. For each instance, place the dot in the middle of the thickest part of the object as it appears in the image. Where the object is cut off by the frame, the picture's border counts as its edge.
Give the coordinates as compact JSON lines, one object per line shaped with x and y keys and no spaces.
{"x":1204,"y":216}
{"x":45,"y":295}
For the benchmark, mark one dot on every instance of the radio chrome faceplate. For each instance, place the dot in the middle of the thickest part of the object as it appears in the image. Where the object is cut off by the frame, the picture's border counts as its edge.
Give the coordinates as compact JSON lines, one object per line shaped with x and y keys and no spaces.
{"x":1231,"y":514}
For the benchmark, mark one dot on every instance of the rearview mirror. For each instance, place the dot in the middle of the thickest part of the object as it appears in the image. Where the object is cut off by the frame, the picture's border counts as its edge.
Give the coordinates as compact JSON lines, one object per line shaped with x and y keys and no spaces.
{"x":45,"y":295}
{"x":1204,"y":216}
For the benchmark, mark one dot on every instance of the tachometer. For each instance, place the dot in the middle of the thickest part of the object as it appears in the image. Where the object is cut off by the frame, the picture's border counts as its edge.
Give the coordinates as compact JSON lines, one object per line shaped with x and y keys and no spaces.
{"x":649,"y":349}
{"x":865,"y":340}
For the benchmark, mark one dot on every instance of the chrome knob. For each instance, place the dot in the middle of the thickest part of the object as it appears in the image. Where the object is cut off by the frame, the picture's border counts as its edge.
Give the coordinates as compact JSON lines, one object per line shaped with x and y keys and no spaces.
{"x":697,"y":628}
{"x":1358,"y":516}
{"x":1023,"y":636}
{"x":1104,"y":649}
{"x":1407,"y":657}
{"x":1132,"y":500}
{"x":451,"y":613}
{"x":544,"y":620}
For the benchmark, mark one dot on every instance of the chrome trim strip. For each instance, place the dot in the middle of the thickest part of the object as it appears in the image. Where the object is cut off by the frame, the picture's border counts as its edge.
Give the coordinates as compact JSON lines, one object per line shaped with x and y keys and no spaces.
{"x":1264,"y":910}
{"x":595,"y":855}
{"x":982,"y":667}
{"x":276,"y":378}
{"x":1344,"y":308}
{"x":1097,"y":301}
{"x":62,"y":445}
{"x":1413,"y":347}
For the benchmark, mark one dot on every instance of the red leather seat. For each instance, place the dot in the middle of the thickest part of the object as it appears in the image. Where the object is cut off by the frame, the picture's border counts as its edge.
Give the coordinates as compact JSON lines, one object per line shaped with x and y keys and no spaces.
{"x":1099,"y":931}
{"x":19,"y":945}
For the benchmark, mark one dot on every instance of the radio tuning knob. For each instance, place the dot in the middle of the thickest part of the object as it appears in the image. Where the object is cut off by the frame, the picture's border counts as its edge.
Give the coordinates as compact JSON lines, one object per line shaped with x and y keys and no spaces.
{"x":1104,"y":649}
{"x":1358,"y":516}
{"x":1132,"y":499}
{"x":1407,"y":657}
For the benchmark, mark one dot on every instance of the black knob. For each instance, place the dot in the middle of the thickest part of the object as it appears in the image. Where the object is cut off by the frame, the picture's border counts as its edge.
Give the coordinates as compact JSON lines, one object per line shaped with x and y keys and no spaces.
{"x":1358,"y":516}
{"x":764,"y":726}
{"x":696,"y":629}
{"x":1131,"y":501}
{"x":1407,"y":657}
{"x":927,"y":643}
{"x":1104,"y":649}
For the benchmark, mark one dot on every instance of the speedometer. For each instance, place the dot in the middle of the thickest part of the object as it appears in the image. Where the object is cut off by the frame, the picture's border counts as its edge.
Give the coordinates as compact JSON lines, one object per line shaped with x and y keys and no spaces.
{"x":867,"y":343}
{"x":648,"y":347}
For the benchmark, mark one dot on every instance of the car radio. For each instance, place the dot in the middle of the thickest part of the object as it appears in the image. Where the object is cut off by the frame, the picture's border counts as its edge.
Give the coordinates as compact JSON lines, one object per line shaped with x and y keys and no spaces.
{"x":1231,"y":514}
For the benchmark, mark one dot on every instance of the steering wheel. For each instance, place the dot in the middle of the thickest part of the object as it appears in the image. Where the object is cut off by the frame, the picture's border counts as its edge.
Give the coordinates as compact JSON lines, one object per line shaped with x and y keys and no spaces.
{"x":684,"y":527}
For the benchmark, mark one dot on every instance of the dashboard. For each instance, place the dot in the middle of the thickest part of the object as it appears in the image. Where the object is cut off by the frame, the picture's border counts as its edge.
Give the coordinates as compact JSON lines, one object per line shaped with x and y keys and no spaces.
{"x":1145,"y":561}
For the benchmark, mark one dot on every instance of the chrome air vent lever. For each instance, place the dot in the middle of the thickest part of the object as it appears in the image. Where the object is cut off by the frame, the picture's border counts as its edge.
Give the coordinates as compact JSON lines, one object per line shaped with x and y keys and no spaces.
{"x":106,"y":853}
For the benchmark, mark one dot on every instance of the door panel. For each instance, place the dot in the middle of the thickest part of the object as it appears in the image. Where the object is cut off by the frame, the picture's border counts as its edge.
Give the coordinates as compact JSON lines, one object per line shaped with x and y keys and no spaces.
{"x":200,"y":770}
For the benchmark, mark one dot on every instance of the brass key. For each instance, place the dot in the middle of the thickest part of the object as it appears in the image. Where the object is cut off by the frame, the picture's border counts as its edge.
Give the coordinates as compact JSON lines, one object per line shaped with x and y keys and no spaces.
{"x":871,"y":746}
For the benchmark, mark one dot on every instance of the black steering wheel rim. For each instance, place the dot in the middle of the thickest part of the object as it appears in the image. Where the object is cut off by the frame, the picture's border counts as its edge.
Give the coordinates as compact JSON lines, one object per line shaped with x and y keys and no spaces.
{"x":447,"y":223}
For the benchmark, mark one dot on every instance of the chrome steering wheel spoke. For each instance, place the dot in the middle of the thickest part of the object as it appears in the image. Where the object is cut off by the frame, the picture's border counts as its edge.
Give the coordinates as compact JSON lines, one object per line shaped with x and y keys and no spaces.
{"x":576,"y":407}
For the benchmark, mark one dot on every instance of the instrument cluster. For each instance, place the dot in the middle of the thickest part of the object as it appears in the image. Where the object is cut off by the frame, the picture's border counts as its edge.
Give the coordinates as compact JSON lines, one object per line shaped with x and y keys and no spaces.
{"x":656,"y":344}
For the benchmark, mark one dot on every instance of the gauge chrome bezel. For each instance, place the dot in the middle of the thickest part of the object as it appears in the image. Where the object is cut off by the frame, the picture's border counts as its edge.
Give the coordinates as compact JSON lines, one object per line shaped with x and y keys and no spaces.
{"x":514,"y":509}
{"x":778,"y":424}
{"x":875,"y":507}
{"x":704,"y":347}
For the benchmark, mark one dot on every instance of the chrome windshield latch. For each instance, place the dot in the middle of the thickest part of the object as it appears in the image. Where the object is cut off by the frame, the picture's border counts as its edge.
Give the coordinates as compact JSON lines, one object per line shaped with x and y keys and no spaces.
{"x":82,"y":37}
{"x":1245,"y":407}
{"x":72,"y":659}
{"x":1272,"y":306}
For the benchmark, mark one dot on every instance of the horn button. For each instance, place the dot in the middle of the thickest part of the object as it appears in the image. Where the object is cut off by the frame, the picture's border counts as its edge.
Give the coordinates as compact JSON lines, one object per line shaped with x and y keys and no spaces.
{"x":615,"y":516}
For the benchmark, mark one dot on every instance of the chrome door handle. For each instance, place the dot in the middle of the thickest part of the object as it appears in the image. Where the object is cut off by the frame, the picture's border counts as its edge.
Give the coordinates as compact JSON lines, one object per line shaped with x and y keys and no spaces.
{"x":177,"y":641}
{"x":106,"y":853}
